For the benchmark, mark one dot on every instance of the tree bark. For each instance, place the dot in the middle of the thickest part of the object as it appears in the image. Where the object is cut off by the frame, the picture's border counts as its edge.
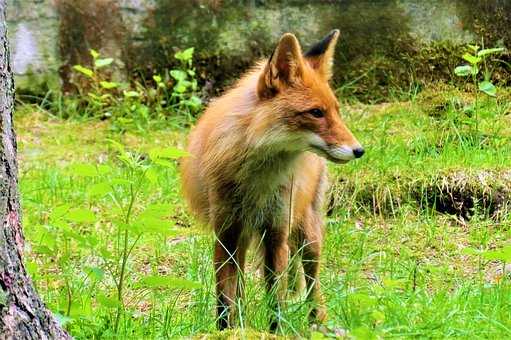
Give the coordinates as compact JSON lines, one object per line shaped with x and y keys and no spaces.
{"x":22,"y":313}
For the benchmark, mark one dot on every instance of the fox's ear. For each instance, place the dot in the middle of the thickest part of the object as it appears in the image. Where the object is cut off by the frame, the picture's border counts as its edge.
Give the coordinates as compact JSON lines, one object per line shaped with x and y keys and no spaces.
{"x":284,"y":68}
{"x":321,"y":55}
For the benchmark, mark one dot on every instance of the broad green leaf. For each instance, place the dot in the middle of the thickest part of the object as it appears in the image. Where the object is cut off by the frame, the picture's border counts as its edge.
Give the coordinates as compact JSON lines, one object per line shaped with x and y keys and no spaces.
{"x":475,"y":70}
{"x":363,"y":333}
{"x":99,"y":189}
{"x":108,"y":301}
{"x":488,"y":51}
{"x":83,"y":170}
{"x":48,"y":240}
{"x":503,"y":254}
{"x":108,"y":85}
{"x":103,"y":62}
{"x":80,"y":215}
{"x":194,"y":102}
{"x":84,"y":70}
{"x":184,"y":55}
{"x":182,"y":86}
{"x":153,"y":225}
{"x":157,"y":211}
{"x":488,"y":88}
{"x":95,"y":273}
{"x":317,"y":336}
{"x":364,"y":300}
{"x":131,"y":94}
{"x":463,"y":70}
{"x":106,"y":254}
{"x":116,"y":145}
{"x":31,"y":267}
{"x":68,"y":232}
{"x":178,"y":75}
{"x":474,"y":60}
{"x":167,"y":153}
{"x":94,"y":53}
{"x":163,"y":162}
{"x":474,"y":48}
{"x":470,"y":251}
{"x":155,"y":281}
{"x":59,"y":212}
{"x":392,"y":283}
{"x":119,"y":181}
{"x":44,"y":250}
{"x":104,"y":169}
{"x":378,"y":316}
{"x":81,"y":306}
{"x":152,"y":175}
{"x":157,"y":78}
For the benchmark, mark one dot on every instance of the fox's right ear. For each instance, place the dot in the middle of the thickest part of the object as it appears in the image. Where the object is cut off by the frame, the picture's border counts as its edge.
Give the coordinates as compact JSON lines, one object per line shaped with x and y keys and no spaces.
{"x":284,"y":67}
{"x":321,"y":55}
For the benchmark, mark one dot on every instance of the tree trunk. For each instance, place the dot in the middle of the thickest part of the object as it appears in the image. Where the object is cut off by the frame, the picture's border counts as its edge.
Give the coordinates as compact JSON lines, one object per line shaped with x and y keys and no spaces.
{"x":22,"y":313}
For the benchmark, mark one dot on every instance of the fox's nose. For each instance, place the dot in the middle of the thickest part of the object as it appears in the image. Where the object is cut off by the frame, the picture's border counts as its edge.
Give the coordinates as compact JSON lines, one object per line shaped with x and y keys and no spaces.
{"x":358,"y":152}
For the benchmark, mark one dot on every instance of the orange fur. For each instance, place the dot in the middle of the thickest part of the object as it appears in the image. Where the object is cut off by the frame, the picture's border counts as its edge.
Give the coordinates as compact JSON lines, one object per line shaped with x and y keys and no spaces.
{"x":260,"y":142}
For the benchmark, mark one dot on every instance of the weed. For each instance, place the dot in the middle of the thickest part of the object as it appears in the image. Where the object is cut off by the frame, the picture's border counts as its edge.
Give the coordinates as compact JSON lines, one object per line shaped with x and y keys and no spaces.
{"x":134,"y":106}
{"x":476,"y":58}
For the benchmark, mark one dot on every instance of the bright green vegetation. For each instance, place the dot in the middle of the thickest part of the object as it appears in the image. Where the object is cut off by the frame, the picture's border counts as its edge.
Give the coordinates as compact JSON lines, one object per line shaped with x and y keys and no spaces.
{"x":112,"y":250}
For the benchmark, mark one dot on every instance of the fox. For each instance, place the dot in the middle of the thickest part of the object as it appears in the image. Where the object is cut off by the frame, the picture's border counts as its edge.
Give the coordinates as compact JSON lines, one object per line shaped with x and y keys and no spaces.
{"x":257,"y":170}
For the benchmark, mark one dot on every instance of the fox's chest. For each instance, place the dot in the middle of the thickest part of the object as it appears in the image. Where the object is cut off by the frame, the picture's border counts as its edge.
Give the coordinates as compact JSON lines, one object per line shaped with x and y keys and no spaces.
{"x":262,"y":207}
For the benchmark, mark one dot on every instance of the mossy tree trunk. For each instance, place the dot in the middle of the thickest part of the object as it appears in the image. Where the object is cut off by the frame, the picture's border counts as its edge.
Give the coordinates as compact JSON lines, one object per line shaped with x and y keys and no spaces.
{"x":22,"y":313}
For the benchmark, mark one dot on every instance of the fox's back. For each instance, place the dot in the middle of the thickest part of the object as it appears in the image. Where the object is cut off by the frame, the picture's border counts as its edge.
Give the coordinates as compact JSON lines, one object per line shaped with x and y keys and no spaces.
{"x":213,"y":144}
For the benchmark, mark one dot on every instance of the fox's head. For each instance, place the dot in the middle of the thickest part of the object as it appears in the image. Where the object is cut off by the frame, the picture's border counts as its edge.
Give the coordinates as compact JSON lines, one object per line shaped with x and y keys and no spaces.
{"x":296,"y":88}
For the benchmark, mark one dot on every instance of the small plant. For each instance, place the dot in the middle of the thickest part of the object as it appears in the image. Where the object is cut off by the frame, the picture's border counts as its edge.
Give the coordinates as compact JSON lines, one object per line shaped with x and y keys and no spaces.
{"x":477,"y":58}
{"x":478,"y":62}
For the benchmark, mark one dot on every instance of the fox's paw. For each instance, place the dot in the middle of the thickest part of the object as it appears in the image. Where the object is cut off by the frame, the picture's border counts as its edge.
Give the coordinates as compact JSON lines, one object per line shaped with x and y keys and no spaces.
{"x":318,"y":315}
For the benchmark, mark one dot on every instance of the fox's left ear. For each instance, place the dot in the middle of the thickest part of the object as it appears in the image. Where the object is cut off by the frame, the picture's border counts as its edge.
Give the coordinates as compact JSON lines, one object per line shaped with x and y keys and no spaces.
{"x":283,"y":69}
{"x":321,"y":55}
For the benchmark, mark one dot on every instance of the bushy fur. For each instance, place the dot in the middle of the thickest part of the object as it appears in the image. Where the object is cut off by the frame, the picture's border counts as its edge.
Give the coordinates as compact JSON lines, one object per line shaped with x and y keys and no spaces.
{"x":251,"y":165}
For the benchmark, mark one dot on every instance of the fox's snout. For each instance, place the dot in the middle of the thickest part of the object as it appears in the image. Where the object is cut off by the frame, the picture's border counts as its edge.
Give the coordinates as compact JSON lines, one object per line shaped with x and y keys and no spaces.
{"x":337,"y":153}
{"x":341,"y":154}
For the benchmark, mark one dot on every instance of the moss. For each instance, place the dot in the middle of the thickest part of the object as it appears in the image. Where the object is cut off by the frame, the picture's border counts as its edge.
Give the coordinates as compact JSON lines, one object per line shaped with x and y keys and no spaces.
{"x":381,"y":51}
{"x":456,"y":192}
{"x":30,"y":86}
{"x":386,"y":47}
{"x":240,"y":334}
{"x":438,"y":98}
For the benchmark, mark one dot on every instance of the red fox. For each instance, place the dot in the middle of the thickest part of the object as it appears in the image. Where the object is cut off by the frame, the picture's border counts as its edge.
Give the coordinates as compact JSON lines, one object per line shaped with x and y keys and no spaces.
{"x":257,"y":169}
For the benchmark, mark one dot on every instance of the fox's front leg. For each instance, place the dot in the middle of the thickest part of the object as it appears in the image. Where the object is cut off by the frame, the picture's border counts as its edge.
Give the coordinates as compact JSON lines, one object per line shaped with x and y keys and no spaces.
{"x":276,"y":263}
{"x":311,"y":252}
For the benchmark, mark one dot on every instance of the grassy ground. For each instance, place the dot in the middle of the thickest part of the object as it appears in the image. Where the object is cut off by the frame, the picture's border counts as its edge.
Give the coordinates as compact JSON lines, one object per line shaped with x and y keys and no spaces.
{"x":394,"y":265}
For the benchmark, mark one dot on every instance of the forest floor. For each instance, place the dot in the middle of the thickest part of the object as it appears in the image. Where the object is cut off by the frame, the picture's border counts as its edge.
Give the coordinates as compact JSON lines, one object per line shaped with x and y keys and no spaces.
{"x":418,"y":230}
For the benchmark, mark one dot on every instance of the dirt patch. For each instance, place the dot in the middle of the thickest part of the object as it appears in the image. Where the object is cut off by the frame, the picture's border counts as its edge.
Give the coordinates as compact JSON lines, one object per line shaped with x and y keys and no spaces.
{"x":460,"y":193}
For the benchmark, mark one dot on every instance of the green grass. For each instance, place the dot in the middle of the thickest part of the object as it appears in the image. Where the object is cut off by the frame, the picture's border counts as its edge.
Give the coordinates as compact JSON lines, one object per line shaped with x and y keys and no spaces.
{"x":399,"y":271}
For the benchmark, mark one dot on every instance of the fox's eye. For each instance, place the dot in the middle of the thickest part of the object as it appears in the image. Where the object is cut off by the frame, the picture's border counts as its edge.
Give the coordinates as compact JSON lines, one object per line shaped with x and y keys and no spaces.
{"x":317,"y":113}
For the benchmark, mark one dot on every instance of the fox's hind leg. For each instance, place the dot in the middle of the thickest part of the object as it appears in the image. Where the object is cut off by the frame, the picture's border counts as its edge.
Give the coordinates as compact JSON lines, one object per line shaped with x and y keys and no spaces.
{"x":312,"y":244}
{"x":229,"y":258}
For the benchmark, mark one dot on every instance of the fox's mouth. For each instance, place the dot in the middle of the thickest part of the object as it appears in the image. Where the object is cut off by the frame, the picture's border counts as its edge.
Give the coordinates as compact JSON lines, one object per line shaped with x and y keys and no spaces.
{"x":325,"y":154}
